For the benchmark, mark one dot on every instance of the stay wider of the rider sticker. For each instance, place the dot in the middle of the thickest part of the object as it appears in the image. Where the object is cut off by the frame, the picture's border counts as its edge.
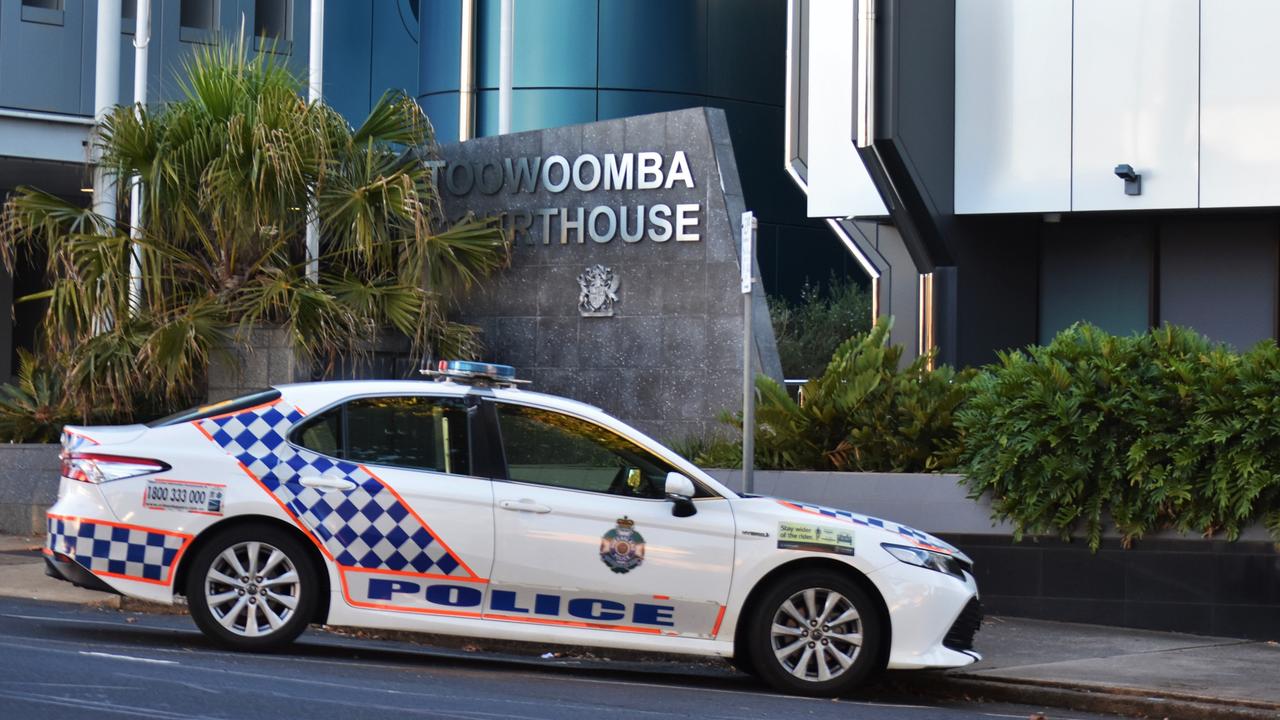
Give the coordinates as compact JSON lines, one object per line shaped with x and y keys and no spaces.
{"x":196,"y":497}
{"x":814,"y":538}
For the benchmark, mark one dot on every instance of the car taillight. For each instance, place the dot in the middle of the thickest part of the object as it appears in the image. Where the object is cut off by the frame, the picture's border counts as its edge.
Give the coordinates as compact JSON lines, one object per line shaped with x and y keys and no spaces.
{"x":100,"y":468}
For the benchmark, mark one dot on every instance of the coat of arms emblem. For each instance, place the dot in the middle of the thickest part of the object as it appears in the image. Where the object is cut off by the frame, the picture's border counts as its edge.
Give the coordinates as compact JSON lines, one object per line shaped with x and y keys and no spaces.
{"x":622,"y":548}
{"x":598,"y":291}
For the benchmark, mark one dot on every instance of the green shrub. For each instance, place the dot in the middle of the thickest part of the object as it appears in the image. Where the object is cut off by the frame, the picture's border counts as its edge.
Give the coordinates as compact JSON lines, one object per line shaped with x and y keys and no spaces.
{"x":34,"y":408}
{"x":808,"y":333}
{"x":863,"y":413}
{"x":1161,"y":430}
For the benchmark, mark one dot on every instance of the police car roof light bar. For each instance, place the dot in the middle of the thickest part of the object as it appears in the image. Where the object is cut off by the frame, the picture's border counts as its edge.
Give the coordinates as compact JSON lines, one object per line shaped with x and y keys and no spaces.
{"x":475,"y":373}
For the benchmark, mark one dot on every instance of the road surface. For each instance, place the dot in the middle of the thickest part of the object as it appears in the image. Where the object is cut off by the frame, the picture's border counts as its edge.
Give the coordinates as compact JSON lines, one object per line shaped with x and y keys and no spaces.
{"x":68,"y":661}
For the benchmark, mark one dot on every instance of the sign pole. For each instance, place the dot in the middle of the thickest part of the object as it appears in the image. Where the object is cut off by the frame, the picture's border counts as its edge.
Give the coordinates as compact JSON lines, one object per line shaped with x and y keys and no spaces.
{"x":748,"y":354}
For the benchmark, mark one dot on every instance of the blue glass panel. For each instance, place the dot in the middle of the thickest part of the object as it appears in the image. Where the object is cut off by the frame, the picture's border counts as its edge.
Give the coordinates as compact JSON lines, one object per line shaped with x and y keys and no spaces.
{"x":486,"y":48}
{"x":756,"y":131}
{"x":626,"y":103}
{"x":654,"y":45}
{"x":747,"y":48}
{"x":394,"y":50}
{"x":536,"y":109}
{"x":442,"y":111}
{"x":554,"y":43}
{"x":346,"y":59}
{"x":441,"y":37}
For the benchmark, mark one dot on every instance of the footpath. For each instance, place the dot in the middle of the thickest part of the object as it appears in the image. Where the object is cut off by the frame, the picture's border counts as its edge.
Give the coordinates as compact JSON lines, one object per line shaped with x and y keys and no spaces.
{"x":1134,"y":673}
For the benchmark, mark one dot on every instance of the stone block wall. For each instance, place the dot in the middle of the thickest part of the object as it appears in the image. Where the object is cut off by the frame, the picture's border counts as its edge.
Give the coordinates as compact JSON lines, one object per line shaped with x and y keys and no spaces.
{"x":669,"y":359}
{"x":28,"y":486}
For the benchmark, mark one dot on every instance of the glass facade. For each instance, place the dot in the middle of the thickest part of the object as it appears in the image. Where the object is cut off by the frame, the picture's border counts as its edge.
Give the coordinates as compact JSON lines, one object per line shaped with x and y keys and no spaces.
{"x":579,"y":61}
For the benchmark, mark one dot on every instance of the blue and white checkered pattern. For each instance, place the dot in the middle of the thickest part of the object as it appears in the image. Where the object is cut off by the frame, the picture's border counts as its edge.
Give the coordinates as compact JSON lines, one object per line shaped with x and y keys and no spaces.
{"x":129,"y":552}
{"x":367,"y":527}
{"x":903,"y":530}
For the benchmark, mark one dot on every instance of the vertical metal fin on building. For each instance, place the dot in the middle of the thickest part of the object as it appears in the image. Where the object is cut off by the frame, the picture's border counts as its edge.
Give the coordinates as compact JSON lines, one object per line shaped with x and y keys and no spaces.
{"x":467,"y":76}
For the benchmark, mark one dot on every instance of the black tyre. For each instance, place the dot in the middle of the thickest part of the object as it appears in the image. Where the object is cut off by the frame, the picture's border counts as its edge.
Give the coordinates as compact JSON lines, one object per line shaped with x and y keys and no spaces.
{"x":741,"y":660}
{"x":253,"y":588}
{"x":815,"y":633}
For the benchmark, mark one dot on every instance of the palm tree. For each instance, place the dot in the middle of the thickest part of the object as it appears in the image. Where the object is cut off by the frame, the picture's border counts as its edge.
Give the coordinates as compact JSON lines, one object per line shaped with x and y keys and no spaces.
{"x":230,"y":173}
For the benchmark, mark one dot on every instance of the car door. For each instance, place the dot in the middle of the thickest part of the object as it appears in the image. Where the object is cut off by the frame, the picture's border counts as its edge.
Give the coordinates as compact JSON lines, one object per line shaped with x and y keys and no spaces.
{"x":406,"y":516}
{"x":586,"y":538}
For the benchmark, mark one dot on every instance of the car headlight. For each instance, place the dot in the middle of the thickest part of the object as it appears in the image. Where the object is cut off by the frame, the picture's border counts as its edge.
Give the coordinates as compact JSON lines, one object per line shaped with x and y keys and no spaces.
{"x":920,"y":557}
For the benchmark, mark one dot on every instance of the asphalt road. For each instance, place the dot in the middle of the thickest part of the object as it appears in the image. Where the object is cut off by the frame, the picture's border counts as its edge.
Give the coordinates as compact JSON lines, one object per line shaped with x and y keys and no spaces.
{"x":64,"y":661}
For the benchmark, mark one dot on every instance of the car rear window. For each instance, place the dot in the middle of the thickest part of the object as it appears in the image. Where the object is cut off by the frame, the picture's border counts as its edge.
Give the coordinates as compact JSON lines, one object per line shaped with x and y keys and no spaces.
{"x":200,"y":412}
{"x":408,"y":431}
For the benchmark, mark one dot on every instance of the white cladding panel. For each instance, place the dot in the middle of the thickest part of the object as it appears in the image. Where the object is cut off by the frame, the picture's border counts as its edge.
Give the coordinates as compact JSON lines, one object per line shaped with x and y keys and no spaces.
{"x":839,"y":185}
{"x":1013,"y":106}
{"x":1240,"y":103}
{"x":1136,"y":88}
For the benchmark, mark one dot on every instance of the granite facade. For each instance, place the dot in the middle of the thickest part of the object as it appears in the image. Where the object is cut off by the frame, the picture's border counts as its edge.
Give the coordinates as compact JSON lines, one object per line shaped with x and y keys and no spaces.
{"x":669,"y":359}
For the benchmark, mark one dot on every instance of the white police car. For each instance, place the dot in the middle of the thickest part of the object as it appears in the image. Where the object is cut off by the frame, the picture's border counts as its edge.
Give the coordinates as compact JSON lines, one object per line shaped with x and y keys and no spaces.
{"x":473,"y":508}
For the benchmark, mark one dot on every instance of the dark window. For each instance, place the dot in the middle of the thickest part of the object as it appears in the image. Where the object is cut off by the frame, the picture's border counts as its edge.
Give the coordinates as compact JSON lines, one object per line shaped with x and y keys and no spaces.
{"x":422,"y":433}
{"x":271,"y":19}
{"x":322,"y":433}
{"x":200,"y":412}
{"x":129,"y":9}
{"x":199,"y":14}
{"x":44,"y":4}
{"x":550,"y":448}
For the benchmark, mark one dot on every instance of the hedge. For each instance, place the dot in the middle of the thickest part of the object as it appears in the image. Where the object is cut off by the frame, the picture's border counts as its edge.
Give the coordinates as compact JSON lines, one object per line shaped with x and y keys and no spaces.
{"x":1153,"y":431}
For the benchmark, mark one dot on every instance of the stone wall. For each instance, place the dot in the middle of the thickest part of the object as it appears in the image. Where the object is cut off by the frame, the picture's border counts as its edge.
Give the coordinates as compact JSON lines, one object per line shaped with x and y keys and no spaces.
{"x":269,"y":360}
{"x":668,"y":358}
{"x":28,"y":486}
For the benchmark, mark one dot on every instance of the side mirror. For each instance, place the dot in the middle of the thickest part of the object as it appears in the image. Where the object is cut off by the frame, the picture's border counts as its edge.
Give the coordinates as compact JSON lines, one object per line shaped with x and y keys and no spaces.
{"x":680,"y":492}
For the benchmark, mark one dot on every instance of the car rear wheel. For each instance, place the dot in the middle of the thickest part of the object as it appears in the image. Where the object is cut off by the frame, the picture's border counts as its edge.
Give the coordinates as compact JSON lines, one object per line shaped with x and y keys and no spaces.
{"x":253,"y":588}
{"x":815,"y":633}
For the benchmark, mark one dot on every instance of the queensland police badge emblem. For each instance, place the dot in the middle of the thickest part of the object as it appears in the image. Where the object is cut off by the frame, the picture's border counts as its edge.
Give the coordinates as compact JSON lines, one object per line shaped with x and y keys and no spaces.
{"x":622,"y":548}
{"x":597,"y":291}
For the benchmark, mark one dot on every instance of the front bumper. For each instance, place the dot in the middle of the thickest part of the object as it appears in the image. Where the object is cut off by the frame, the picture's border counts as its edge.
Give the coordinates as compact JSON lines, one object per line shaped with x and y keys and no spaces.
{"x":933,"y":616}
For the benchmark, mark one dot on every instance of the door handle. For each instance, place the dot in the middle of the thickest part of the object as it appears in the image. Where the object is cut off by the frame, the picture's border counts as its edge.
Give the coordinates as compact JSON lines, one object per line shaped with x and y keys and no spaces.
{"x":523,"y":506}
{"x":324,"y":483}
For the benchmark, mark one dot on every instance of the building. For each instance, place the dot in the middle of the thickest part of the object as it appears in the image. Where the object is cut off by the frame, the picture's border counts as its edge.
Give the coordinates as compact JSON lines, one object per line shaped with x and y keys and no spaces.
{"x":47,"y":66}
{"x":579,"y":61}
{"x":576,"y":61}
{"x":1006,"y":168}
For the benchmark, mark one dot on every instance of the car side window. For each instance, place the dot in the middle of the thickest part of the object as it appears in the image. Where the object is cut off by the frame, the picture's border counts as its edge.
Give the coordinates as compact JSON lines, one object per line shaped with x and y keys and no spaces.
{"x":410,"y":431}
{"x":545,"y":447}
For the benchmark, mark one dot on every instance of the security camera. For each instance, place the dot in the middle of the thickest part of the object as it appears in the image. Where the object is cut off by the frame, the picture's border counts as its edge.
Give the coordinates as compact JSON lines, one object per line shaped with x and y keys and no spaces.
{"x":1132,"y":180}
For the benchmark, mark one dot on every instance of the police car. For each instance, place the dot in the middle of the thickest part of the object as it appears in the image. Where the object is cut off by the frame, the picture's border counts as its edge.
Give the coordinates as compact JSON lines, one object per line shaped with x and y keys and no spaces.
{"x":467,"y":506}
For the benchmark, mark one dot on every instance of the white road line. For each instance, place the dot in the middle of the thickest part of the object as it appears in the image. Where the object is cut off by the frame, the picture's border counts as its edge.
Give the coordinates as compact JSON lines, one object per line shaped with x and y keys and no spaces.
{"x":130,"y":658}
{"x":366,"y":664}
{"x":77,"y":686}
{"x":105,"y":707}
{"x":82,"y":622}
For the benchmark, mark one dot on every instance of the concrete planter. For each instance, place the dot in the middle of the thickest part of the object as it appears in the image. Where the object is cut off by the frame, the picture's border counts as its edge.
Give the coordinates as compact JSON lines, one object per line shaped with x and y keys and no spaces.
{"x":28,"y":486}
{"x":933,"y":502}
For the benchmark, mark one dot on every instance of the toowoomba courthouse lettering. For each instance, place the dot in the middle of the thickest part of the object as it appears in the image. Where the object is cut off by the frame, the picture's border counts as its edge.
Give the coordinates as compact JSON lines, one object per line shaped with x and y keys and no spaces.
{"x":626,"y":179}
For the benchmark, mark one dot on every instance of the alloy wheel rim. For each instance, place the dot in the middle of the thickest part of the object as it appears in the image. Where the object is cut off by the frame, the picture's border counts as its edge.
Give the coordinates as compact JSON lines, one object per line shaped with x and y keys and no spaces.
{"x":816,"y":635}
{"x":252,"y":588}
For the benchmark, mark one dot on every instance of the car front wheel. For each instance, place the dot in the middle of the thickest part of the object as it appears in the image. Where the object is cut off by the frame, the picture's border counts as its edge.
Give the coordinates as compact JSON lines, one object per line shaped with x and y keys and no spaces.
{"x":815,"y":633}
{"x":252,"y":588}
